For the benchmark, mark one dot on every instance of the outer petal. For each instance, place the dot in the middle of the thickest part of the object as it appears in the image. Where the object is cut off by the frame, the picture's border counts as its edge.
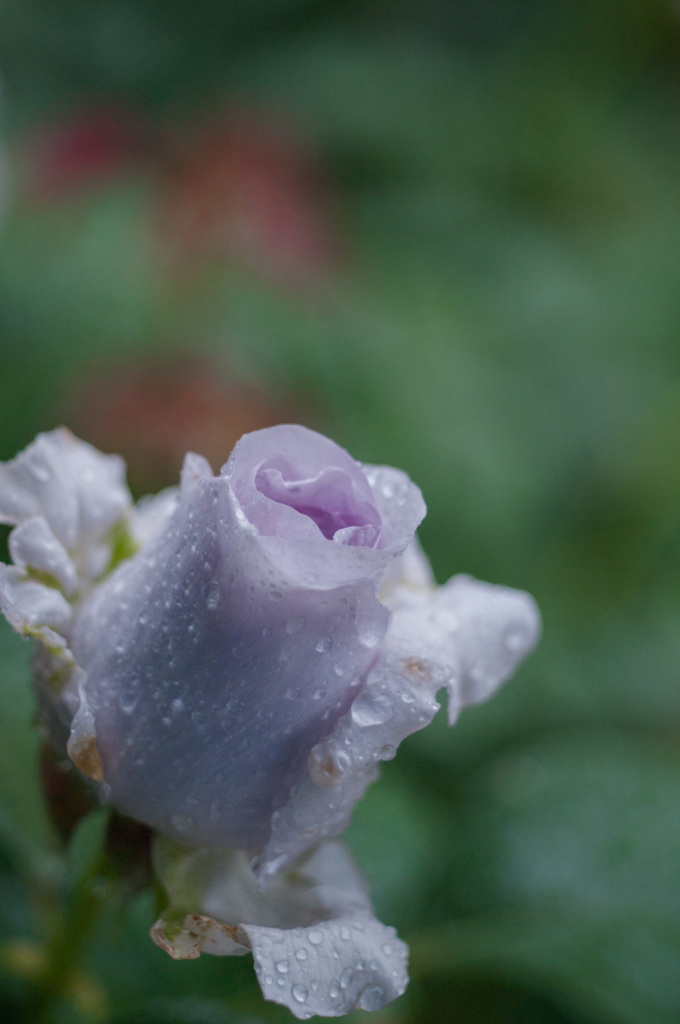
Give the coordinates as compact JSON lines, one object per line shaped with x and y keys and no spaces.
{"x":77,"y":490}
{"x":31,"y":607}
{"x":317,"y":947}
{"x":467,"y":636}
{"x":32,"y":544}
{"x":211,"y":674}
{"x":470,"y":635}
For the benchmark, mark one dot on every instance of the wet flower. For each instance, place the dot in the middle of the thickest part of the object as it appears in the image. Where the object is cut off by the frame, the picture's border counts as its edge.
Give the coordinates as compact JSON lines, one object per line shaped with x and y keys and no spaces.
{"x":230,"y":662}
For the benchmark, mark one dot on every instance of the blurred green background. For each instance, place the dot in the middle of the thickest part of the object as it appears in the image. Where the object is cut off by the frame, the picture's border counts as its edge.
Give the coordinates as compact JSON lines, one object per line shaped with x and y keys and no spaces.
{"x":448,"y":235}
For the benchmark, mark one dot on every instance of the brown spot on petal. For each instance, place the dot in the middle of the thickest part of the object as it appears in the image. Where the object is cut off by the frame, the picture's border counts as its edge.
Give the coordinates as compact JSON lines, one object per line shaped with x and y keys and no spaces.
{"x":323,"y":771}
{"x":88,"y":759}
{"x":187,"y":940}
{"x":417,"y":668}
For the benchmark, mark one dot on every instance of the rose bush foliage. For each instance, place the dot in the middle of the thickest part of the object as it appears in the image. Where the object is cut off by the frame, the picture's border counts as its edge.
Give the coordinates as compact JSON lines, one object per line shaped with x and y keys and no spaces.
{"x":229,"y":663}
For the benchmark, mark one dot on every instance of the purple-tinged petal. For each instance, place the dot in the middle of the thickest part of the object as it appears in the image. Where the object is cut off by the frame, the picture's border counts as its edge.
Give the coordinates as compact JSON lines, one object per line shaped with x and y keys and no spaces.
{"x":211,"y":675}
{"x":369,"y":530}
{"x":317,"y":947}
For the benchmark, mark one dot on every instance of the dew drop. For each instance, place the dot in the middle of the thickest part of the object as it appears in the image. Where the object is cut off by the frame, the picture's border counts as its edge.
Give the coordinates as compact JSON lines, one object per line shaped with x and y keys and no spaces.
{"x":282,"y":966}
{"x":372,"y":709}
{"x":324,"y":644}
{"x":387,"y":753}
{"x":301,"y":954}
{"x":211,"y":594}
{"x":372,"y":998}
{"x":334,"y":990}
{"x":346,"y":978}
{"x":300,"y":993}
{"x":345,"y":934}
{"x":315,"y":937}
{"x":370,"y":634}
{"x":294,"y":624}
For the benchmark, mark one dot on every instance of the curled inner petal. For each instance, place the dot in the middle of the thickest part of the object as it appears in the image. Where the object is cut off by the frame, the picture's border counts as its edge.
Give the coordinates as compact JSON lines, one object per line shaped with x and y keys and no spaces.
{"x":328,"y":498}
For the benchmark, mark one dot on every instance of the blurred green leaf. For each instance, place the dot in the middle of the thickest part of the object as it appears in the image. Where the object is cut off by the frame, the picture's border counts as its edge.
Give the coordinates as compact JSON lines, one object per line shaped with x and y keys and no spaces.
{"x":23,"y":825}
{"x":564,"y":868}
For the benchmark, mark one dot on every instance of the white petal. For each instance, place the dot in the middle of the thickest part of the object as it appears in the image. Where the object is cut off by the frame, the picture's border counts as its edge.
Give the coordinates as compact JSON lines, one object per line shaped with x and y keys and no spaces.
{"x":32,"y":607}
{"x":316,"y":945}
{"x":80,"y":492}
{"x":152,"y":514}
{"x":32,"y":544}
{"x":352,"y":962}
{"x":411,"y":571}
{"x":481,"y":633}
{"x":467,"y":636}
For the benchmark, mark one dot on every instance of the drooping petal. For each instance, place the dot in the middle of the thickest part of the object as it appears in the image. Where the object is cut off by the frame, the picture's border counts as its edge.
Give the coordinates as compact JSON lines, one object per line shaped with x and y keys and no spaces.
{"x":466,"y":636}
{"x":77,"y":490}
{"x":317,"y":947}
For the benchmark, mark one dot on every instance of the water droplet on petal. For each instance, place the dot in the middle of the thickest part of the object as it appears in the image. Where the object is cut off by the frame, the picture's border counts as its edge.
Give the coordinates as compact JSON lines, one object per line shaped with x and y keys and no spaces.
{"x":281,"y":966}
{"x":370,"y":634}
{"x":211,"y":594}
{"x":294,"y":624}
{"x":324,"y":644}
{"x":300,"y":993}
{"x":372,"y":709}
{"x":334,"y":990}
{"x":372,"y":998}
{"x":301,"y":954}
{"x":346,"y":978}
{"x":315,"y":937}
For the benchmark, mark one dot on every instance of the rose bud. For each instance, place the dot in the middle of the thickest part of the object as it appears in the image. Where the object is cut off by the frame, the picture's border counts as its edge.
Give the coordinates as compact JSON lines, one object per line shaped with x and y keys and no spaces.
{"x":235,"y":682}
